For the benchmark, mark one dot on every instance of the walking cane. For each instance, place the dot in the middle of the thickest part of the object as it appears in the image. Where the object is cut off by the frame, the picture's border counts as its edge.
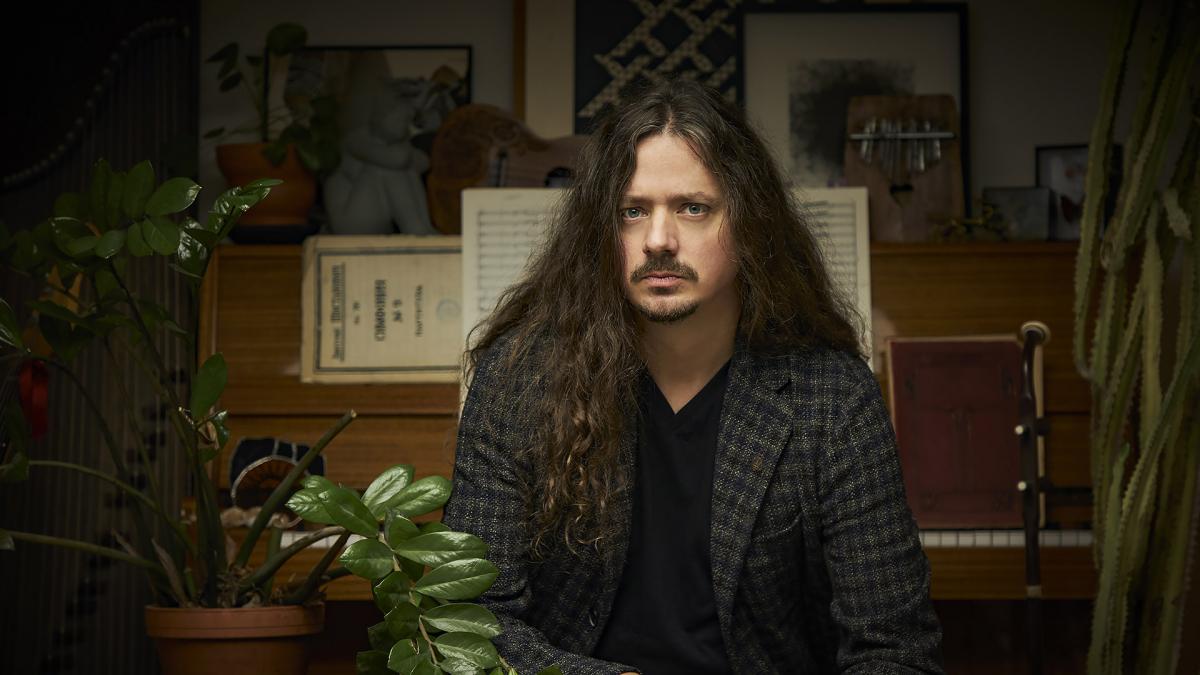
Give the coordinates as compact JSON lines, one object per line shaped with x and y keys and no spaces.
{"x":1030,"y":429}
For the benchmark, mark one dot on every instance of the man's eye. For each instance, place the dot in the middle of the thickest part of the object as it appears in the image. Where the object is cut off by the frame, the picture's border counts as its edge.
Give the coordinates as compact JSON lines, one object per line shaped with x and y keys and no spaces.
{"x":631,"y":212}
{"x":695,"y":209}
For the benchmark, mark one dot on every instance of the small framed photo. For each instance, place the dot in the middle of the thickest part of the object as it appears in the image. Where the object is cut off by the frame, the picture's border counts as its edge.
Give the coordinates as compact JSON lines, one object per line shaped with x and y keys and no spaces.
{"x":1063,"y":170}
{"x":1018,"y":213}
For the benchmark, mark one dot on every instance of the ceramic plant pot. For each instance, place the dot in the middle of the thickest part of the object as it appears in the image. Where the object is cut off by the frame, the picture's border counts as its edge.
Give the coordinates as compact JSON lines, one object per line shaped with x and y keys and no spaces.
{"x":260,"y":640}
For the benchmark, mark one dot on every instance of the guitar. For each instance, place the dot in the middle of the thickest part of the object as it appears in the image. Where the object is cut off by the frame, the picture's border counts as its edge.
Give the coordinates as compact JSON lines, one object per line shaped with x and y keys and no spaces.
{"x":482,"y":146}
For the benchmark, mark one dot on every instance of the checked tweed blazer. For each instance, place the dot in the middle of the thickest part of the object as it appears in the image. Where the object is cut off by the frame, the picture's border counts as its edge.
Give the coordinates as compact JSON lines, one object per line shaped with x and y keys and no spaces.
{"x":816,"y":563}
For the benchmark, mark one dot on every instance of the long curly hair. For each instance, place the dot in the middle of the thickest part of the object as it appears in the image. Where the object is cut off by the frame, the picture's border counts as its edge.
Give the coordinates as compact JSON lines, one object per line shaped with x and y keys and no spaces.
{"x":570,"y":330}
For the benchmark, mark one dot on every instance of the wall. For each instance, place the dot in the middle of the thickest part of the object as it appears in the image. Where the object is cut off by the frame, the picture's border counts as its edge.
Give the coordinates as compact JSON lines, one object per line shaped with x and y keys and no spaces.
{"x":1035,"y":70}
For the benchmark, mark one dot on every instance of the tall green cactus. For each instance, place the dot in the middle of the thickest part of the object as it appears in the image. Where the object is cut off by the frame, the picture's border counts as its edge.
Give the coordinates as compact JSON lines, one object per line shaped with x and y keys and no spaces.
{"x":1144,"y":476}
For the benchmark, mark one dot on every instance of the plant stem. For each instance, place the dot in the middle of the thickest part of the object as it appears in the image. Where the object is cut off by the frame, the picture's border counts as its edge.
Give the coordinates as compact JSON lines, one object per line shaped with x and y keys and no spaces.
{"x":128,"y":489}
{"x":133,"y":423}
{"x":428,"y":641}
{"x":94,"y":549}
{"x":272,"y":564}
{"x":280,"y":493}
{"x":301,"y":594}
{"x":207,"y":515}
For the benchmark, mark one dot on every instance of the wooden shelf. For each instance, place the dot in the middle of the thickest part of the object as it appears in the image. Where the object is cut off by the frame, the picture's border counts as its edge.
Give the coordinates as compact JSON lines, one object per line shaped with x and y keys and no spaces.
{"x":250,"y":311}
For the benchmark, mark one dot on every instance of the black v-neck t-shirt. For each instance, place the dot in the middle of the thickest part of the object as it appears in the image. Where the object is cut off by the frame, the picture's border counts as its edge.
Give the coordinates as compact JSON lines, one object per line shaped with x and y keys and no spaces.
{"x":664,"y":616}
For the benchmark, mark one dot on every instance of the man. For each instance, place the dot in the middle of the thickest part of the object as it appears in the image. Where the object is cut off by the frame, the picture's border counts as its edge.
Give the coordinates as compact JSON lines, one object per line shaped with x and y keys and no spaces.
{"x":672,"y":444}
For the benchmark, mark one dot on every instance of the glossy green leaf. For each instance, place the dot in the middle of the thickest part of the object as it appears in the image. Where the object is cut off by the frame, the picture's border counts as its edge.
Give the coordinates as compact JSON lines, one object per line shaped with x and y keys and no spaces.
{"x":48,"y":308}
{"x":371,"y":663}
{"x":462,"y":617}
{"x":229,"y":51}
{"x":110,"y":244}
{"x":457,"y":666}
{"x":161,"y":234}
{"x":65,"y":340}
{"x":15,"y":471}
{"x":397,"y":528}
{"x":386,"y":487}
{"x":6,"y":541}
{"x":344,"y":506}
{"x":106,"y":283}
{"x":316,"y":481}
{"x":379,"y":638}
{"x":71,"y":205}
{"x":135,"y":241}
{"x":207,"y":385}
{"x":262,"y":183}
{"x":403,"y":656}
{"x":437,"y":548}
{"x":83,"y":246}
{"x":422,"y":496}
{"x":192,"y":256}
{"x":138,"y":186}
{"x":391,"y":591}
{"x":474,"y":649}
{"x":414,"y":570}
{"x":173,"y":196}
{"x":66,"y":230}
{"x":307,"y":504}
{"x":10,"y":331}
{"x":434,"y":526}
{"x":98,"y":194}
{"x":463,"y":579}
{"x":402,"y":620}
{"x":367,"y":558}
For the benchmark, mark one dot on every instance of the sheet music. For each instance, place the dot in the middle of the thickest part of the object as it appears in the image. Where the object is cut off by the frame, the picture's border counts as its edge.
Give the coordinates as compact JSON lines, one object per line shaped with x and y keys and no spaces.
{"x":838,"y":217}
{"x":501,"y":228}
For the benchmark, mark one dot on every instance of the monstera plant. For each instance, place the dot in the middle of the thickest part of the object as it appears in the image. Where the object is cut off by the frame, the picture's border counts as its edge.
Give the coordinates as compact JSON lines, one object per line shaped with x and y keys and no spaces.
{"x":423,"y":575}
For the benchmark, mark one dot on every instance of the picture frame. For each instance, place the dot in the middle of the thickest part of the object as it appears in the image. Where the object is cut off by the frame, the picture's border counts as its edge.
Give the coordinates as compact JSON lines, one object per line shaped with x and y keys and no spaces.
{"x":1018,"y":213}
{"x":801,"y":65}
{"x":1063,"y":169}
{"x":389,"y":102}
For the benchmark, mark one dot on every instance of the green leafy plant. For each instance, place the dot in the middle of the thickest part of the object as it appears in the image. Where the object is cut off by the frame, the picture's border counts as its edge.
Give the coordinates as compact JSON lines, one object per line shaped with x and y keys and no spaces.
{"x":1144,"y":436}
{"x":81,"y":254}
{"x":311,"y":122}
{"x":421,"y":577}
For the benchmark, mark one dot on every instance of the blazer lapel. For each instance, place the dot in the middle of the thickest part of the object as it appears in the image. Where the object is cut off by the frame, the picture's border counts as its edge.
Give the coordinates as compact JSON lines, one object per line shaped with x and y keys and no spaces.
{"x":756,"y":424}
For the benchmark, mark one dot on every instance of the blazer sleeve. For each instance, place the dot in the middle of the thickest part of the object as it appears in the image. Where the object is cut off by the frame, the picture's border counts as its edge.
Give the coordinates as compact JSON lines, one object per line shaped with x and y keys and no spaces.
{"x":877,"y":568}
{"x":487,"y":501}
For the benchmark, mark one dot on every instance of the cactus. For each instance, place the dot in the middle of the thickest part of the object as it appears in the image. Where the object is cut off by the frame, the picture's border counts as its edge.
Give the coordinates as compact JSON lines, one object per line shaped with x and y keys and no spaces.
{"x":1145,"y":476}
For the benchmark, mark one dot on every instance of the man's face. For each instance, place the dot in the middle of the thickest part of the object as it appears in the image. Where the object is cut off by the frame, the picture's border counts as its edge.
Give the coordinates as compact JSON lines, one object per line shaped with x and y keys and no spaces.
{"x":673,"y":232}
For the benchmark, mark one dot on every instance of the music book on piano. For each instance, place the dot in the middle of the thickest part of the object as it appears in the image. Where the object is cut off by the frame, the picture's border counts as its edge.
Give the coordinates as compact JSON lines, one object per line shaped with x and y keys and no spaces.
{"x":955,"y":408}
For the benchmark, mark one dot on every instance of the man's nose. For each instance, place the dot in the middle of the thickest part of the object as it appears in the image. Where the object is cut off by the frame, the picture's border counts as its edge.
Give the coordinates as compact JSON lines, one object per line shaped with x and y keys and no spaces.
{"x":662,"y":235}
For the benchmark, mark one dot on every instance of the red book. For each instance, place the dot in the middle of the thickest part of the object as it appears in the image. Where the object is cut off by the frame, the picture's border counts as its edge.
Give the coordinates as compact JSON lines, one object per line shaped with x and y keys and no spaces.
{"x":955,"y":407}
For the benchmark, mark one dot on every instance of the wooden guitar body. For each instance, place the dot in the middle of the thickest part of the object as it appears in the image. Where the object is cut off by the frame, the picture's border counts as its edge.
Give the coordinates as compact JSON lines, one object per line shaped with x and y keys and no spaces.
{"x":482,"y":146}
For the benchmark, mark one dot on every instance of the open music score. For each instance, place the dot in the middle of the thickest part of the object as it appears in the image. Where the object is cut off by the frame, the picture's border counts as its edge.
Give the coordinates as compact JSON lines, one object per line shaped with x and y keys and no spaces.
{"x":501,"y":227}
{"x":838,"y":218}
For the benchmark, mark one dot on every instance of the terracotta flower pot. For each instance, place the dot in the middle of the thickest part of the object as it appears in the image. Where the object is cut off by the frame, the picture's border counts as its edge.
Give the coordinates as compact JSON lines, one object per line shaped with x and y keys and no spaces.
{"x":288,"y":204}
{"x":260,"y":640}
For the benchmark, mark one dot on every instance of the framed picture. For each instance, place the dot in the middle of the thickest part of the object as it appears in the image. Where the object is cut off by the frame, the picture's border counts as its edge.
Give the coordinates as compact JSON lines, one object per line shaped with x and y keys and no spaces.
{"x":622,"y":42}
{"x":1063,"y":169}
{"x":1018,"y":213}
{"x":387,"y":103}
{"x":802,"y":65}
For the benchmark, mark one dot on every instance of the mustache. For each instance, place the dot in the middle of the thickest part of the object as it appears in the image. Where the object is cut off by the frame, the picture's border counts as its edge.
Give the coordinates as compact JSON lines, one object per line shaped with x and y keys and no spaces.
{"x":663,"y":264}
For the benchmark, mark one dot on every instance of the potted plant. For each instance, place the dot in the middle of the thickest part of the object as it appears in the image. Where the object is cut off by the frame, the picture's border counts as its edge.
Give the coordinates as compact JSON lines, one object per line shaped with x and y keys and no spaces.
{"x":203,"y":581}
{"x":305,"y":149}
